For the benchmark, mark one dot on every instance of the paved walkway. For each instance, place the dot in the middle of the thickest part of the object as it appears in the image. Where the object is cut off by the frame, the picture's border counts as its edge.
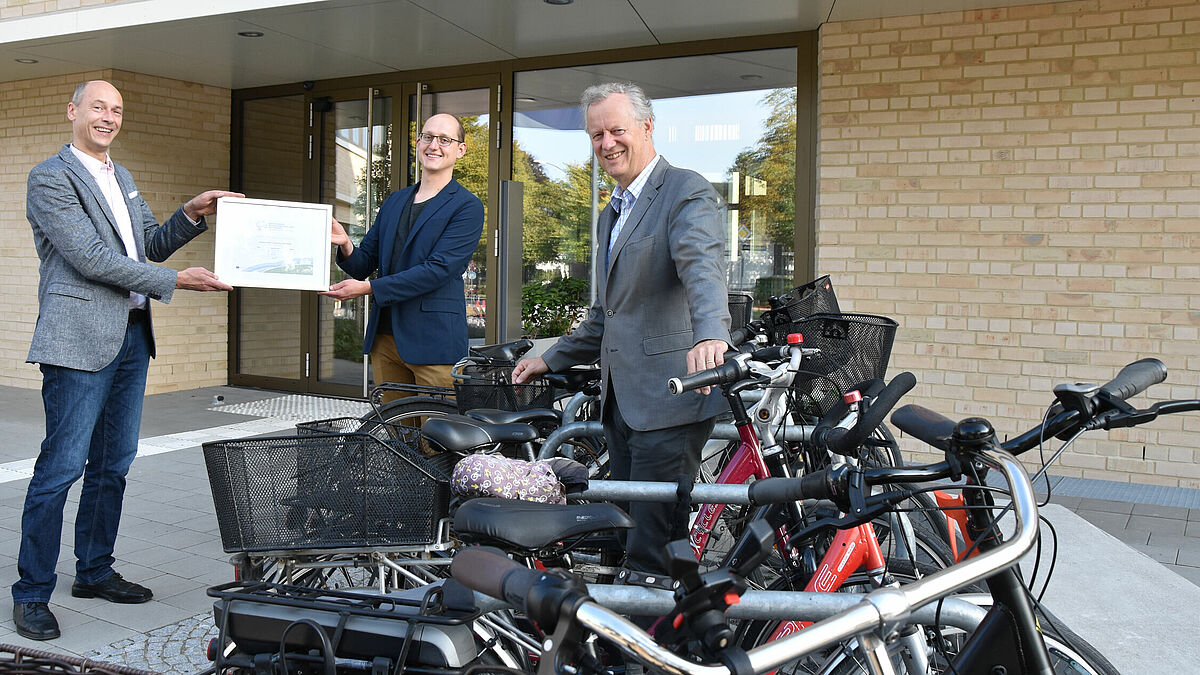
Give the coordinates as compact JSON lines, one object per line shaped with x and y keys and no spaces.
{"x":169,"y":539}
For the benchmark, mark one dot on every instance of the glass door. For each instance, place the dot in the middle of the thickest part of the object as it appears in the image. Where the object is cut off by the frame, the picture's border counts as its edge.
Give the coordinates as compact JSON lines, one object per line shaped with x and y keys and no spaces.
{"x":354,"y":176}
{"x":473,"y":102}
{"x":268,"y":350}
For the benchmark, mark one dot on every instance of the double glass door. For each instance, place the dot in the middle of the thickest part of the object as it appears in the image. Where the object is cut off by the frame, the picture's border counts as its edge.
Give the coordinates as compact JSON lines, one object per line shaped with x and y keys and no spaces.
{"x":349,"y":149}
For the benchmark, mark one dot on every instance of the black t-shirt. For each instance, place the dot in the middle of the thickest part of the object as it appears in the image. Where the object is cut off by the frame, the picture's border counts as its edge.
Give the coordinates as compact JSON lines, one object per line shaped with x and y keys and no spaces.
{"x":408,"y":216}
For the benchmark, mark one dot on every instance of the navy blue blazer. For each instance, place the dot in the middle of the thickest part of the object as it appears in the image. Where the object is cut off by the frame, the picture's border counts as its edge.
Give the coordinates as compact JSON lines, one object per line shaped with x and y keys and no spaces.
{"x":425,"y":294}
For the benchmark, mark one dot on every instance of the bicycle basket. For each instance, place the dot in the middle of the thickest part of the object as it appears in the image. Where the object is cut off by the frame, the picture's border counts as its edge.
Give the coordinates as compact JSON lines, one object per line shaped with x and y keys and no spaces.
{"x":741,"y":310}
{"x":485,"y":386}
{"x":815,"y":297}
{"x":404,"y":437}
{"x":323,"y":491}
{"x":854,"y":348}
{"x":22,"y":660}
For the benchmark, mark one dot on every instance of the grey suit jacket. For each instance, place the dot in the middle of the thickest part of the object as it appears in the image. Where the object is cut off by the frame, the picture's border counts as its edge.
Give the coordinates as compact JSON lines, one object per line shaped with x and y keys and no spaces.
{"x":86,"y":277}
{"x":662,"y":292}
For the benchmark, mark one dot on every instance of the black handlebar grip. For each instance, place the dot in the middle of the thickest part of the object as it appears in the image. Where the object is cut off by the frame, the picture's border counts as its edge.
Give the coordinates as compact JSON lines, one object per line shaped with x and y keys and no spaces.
{"x":1136,"y":378}
{"x":846,"y":443}
{"x":815,"y":485}
{"x":741,"y":336}
{"x":489,"y":571}
{"x":768,"y":354}
{"x":730,"y":371}
{"x":925,"y":425}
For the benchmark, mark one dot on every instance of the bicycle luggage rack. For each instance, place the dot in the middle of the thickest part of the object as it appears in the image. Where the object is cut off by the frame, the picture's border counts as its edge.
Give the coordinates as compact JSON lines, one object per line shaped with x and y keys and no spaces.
{"x":428,"y":628}
{"x":323,"y":491}
{"x":17,"y":660}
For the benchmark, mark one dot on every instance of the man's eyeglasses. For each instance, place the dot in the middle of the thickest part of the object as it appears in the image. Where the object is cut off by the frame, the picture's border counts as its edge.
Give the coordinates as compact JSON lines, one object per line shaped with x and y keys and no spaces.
{"x":441,"y":140}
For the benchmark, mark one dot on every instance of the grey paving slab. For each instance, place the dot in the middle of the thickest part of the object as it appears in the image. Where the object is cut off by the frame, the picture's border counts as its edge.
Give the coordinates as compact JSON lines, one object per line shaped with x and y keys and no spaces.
{"x":1174,"y":512}
{"x":1105,"y":520}
{"x":1107,"y":505}
{"x":1156,"y":525}
{"x":1190,"y":573}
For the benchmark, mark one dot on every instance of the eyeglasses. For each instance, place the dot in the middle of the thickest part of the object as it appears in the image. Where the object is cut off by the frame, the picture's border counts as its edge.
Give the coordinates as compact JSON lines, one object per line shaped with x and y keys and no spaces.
{"x":442,"y":140}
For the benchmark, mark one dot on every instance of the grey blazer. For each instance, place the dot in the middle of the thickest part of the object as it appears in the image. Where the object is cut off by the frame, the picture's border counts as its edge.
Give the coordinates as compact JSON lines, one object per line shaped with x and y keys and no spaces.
{"x":83,"y":293}
{"x":662,"y":292}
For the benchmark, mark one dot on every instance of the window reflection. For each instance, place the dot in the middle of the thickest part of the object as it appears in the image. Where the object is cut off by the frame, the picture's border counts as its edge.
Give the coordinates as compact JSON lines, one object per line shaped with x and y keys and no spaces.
{"x":729,"y":117}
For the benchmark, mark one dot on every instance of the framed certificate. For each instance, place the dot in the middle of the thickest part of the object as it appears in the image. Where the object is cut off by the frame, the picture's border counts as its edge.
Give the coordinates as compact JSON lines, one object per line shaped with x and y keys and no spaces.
{"x":271,"y":244}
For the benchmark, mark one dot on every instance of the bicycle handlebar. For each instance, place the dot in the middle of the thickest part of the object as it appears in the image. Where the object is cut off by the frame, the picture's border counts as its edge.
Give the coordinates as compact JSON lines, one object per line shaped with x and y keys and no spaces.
{"x":935,"y":429}
{"x":1135,"y":378}
{"x":491,"y":572}
{"x":731,"y":371}
{"x":845,"y":441}
{"x":488,"y":572}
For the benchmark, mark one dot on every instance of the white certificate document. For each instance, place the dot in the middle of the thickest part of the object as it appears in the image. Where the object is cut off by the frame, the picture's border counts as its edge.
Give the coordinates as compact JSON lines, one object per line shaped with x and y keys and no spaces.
{"x":263,"y":243}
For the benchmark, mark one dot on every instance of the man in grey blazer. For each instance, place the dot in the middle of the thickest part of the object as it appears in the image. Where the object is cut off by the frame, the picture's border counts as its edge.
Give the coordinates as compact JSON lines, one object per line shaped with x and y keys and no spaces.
{"x":661,"y":311}
{"x":93,"y":342}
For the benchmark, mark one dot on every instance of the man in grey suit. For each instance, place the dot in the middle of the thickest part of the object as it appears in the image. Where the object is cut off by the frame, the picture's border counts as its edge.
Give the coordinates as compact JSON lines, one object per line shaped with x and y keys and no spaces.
{"x":93,"y":342}
{"x":661,"y":311}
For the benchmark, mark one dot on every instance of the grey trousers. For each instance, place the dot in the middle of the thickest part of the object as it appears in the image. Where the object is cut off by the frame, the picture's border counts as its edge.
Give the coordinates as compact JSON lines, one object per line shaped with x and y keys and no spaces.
{"x":658,"y":455}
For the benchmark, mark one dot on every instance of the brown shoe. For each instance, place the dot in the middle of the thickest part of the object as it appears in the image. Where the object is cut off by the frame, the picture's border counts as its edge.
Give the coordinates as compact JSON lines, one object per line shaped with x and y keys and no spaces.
{"x":113,"y":589}
{"x":35,"y":621}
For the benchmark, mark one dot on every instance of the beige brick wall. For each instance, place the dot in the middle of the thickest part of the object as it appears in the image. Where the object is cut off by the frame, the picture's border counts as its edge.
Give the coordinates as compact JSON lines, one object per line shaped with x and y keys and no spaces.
{"x":175,"y":141}
{"x":1020,"y":188}
{"x":11,"y":9}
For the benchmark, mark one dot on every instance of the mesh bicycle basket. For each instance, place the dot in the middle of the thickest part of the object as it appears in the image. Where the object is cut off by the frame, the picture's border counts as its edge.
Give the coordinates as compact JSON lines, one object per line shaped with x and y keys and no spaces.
{"x":402,"y":436}
{"x":815,"y":297}
{"x":854,"y":348}
{"x":479,"y":385}
{"x":323,"y":491}
{"x":741,"y":309}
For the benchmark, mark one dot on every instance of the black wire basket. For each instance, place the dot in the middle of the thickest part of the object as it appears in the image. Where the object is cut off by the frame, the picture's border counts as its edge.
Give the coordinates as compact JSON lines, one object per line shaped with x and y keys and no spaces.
{"x":741,"y":310}
{"x":405,"y":437}
{"x":854,"y":348}
{"x":321,"y":491}
{"x":486,"y":386}
{"x":815,"y":297}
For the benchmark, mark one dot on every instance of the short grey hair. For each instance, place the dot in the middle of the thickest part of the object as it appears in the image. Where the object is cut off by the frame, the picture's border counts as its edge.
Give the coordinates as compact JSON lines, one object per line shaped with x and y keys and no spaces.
{"x":77,"y":97}
{"x":642,"y":110}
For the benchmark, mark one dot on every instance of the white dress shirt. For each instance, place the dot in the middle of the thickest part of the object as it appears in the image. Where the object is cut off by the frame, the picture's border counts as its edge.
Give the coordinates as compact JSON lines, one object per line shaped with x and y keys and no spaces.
{"x":105,"y":175}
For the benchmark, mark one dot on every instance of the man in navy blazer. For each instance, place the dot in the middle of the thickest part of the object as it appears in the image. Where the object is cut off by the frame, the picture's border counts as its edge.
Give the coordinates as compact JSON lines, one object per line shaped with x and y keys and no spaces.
{"x":661,"y":311}
{"x":93,"y":342}
{"x":421,"y":244}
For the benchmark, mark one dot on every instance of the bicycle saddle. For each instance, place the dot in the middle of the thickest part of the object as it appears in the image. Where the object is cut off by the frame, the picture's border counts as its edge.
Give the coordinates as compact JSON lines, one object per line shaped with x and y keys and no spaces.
{"x":463,"y":434}
{"x":532,"y":416}
{"x":575,"y":379}
{"x":507,"y":352}
{"x":532,"y":525}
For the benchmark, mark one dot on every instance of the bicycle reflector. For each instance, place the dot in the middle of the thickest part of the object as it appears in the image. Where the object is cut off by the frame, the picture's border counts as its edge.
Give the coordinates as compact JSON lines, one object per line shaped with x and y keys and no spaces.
{"x":852,"y":397}
{"x":795,"y":338}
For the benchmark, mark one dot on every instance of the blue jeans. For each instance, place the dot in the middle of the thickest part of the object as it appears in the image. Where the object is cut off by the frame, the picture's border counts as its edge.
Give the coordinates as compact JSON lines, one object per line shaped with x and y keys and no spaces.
{"x":92,"y":422}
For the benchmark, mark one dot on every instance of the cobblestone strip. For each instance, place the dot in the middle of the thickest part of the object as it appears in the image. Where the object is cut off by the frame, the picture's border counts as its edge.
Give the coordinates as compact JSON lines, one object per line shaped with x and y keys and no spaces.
{"x":177,"y":649}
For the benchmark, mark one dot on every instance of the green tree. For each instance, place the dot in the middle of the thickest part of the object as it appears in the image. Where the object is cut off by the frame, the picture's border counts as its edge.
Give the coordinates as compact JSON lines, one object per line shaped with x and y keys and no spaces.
{"x":772,"y":161}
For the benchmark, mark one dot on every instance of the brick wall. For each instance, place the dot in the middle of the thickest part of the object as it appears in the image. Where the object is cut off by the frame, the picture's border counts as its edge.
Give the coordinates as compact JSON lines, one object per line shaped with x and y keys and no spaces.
{"x":11,"y":9}
{"x":175,"y":141}
{"x":1020,"y":189}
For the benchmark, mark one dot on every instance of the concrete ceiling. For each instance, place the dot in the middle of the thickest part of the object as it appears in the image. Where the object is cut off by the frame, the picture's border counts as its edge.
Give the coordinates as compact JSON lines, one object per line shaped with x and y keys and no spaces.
{"x":199,"y":41}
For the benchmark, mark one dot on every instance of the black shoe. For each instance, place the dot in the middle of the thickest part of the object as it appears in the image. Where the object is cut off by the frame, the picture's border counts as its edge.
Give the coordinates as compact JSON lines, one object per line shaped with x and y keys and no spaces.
{"x":113,"y":589}
{"x":35,"y":621}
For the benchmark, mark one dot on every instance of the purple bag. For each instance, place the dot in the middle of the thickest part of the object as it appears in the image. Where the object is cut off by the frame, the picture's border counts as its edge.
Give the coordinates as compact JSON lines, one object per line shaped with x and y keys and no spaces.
{"x":498,"y":476}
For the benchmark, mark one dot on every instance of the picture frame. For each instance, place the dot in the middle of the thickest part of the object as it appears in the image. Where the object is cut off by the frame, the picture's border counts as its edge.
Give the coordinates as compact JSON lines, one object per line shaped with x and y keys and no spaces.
{"x":264,"y":243}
